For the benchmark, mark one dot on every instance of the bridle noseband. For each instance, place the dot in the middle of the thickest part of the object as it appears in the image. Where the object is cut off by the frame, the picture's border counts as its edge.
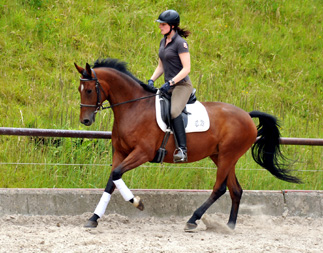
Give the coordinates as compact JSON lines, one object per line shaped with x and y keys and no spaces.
{"x":98,"y":87}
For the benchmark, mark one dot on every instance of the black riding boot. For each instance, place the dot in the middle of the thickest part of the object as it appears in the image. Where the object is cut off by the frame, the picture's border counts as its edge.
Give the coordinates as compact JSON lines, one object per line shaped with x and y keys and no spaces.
{"x":180,"y":154}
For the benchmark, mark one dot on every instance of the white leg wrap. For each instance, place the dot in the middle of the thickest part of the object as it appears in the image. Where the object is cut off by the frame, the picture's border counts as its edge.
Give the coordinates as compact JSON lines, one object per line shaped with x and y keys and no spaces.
{"x":123,"y":189}
{"x":102,"y":206}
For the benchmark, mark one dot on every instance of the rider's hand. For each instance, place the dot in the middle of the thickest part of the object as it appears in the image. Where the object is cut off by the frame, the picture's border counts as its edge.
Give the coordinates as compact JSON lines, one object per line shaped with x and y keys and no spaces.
{"x":150,"y":83}
{"x":165,"y":88}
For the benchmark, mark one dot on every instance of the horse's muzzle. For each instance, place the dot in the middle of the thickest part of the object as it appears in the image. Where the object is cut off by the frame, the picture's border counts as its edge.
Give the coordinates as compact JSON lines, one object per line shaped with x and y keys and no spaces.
{"x":88,"y":121}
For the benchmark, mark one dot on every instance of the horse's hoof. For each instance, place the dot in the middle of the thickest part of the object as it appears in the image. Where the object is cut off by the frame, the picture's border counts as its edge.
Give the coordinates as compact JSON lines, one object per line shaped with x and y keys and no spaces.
{"x":190,"y":227}
{"x":141,"y":206}
{"x":138,"y":203}
{"x":231,"y":225}
{"x":91,"y":224}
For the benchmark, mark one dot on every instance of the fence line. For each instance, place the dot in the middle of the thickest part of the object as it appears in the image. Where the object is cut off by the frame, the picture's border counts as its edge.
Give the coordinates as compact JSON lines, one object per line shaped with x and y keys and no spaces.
{"x":142,"y":166}
{"x":107,"y":135}
{"x":54,"y":133}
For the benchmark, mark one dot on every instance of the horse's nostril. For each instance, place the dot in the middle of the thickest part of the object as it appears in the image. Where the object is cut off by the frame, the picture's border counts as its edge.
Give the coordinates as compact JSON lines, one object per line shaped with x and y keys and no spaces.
{"x":86,"y":122}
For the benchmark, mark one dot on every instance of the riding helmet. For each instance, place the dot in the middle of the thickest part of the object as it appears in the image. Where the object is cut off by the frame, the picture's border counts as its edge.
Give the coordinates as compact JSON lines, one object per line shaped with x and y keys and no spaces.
{"x":170,"y":17}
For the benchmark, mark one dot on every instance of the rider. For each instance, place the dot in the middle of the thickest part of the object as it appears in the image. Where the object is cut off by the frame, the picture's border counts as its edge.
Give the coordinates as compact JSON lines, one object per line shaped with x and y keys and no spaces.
{"x":174,"y":62}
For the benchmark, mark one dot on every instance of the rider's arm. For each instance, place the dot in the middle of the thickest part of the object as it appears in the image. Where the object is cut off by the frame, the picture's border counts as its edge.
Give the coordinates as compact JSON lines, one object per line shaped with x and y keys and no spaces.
{"x":158,"y":71}
{"x":186,"y":62}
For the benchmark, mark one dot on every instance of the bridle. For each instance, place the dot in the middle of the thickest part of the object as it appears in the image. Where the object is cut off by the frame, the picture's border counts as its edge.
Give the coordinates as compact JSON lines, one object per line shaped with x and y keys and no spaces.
{"x":98,"y":87}
{"x":99,"y":106}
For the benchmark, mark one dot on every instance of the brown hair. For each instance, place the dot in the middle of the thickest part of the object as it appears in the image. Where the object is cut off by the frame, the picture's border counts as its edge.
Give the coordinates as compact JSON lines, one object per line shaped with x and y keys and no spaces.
{"x":182,"y":32}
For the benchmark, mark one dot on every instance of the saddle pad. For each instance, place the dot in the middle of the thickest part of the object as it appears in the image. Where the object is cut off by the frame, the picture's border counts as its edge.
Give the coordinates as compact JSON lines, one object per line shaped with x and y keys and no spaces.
{"x":198,"y":118}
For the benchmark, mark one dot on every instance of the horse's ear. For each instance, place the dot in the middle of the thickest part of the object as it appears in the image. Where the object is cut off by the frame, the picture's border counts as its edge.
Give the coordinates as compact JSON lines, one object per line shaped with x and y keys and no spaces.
{"x":88,"y":69}
{"x":79,"y":69}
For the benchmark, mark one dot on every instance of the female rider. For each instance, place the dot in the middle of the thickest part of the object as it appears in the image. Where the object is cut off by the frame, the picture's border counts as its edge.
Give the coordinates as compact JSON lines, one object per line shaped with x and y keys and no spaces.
{"x":174,"y":62}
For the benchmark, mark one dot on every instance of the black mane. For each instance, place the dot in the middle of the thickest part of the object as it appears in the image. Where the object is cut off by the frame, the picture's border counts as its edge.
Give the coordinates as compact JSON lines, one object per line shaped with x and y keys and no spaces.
{"x":122,"y":67}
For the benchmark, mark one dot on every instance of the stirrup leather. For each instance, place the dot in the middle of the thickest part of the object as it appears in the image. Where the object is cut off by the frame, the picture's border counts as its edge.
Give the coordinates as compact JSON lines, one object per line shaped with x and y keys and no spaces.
{"x":180,"y":155}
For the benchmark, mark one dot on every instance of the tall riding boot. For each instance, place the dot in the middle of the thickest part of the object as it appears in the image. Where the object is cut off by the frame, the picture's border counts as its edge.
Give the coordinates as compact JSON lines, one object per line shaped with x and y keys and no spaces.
{"x":180,"y":154}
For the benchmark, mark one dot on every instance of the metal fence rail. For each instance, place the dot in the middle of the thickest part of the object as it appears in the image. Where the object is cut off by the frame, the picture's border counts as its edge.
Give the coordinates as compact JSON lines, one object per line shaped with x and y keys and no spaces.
{"x":54,"y":133}
{"x":107,"y":135}
{"x":301,"y":141}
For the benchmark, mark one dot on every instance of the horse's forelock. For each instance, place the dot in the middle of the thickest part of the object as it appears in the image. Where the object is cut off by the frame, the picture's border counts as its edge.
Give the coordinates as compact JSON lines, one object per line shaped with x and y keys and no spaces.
{"x":86,"y":75}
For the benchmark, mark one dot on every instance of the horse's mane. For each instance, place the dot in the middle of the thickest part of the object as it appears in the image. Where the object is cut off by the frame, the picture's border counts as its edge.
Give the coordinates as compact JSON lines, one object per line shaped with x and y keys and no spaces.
{"x":122,"y":67}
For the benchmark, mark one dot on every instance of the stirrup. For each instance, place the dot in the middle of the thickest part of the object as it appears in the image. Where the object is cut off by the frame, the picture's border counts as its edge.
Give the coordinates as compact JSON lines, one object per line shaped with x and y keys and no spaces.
{"x":180,"y":156}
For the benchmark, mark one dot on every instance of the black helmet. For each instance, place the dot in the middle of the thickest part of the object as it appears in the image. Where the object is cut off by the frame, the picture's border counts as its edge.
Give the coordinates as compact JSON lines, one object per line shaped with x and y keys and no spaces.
{"x":170,"y":17}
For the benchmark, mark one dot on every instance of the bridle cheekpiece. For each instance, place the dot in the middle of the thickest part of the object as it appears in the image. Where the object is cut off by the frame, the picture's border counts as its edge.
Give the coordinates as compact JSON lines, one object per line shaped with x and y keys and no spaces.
{"x":99,"y":106}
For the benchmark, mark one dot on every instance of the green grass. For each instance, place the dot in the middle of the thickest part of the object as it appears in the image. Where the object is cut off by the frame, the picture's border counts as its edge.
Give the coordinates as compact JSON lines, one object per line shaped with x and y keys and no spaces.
{"x":256,"y":54}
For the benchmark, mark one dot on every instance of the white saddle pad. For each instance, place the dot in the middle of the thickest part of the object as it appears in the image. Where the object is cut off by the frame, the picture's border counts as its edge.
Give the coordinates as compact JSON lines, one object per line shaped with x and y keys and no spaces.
{"x":198,"y":118}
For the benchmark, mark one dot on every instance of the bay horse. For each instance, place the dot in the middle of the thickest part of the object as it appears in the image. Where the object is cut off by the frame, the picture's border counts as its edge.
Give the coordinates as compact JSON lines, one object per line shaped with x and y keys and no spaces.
{"x":136,"y":136}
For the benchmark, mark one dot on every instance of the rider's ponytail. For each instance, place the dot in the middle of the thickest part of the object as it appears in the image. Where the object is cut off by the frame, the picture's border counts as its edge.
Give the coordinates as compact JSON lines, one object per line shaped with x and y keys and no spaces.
{"x":182,"y":32}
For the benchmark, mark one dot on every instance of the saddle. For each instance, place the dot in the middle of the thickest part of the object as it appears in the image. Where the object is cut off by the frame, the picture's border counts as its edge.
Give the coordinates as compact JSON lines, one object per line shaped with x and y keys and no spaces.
{"x":194,"y":115}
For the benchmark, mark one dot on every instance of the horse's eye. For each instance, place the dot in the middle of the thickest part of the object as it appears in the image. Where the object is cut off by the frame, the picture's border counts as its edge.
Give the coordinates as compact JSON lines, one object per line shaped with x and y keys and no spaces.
{"x":88,"y":91}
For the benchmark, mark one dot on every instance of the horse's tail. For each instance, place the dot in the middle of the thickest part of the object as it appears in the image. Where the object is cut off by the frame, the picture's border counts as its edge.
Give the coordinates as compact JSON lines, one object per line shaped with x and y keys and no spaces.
{"x":266,"y":150}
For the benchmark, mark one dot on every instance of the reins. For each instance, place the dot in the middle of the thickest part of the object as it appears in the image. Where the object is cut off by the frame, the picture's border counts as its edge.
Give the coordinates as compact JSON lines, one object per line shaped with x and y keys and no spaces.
{"x":129,"y":101}
{"x":100,"y":106}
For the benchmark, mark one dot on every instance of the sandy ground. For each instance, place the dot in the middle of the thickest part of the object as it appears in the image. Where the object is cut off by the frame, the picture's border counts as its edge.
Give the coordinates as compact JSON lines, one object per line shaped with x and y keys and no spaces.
{"x":116,"y":233}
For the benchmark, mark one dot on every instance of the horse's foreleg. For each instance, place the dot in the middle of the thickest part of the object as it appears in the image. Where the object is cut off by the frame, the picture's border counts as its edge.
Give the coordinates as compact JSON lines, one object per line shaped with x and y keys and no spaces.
{"x":115,"y":181}
{"x":105,"y":199}
{"x":127,"y":194}
{"x":102,"y":205}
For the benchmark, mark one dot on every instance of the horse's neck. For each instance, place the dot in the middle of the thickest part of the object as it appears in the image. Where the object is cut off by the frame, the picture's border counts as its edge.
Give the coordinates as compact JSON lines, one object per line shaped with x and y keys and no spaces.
{"x":123,"y":93}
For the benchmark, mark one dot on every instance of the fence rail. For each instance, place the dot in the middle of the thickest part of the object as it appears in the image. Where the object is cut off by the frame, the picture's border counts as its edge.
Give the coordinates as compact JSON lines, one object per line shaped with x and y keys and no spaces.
{"x":54,"y":133}
{"x":107,"y":135}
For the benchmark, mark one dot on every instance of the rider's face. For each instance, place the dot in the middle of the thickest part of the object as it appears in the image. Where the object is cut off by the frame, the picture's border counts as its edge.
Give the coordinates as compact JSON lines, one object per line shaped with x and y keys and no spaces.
{"x":164,"y":28}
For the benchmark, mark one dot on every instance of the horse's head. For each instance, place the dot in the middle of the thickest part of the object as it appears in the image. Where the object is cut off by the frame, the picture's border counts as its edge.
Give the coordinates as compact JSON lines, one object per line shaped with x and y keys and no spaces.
{"x":92,"y":94}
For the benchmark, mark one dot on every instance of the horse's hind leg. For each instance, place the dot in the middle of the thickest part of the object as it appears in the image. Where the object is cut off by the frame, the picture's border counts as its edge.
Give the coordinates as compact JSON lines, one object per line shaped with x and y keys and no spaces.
{"x":218,"y":190}
{"x":235,"y":193}
{"x":217,"y":193}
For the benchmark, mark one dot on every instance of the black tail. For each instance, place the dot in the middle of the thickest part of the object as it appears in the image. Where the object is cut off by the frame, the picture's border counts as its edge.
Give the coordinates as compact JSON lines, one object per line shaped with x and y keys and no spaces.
{"x":266,"y":151}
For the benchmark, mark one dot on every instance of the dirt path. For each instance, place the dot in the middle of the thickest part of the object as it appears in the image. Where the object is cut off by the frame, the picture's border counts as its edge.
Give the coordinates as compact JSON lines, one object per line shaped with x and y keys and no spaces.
{"x":116,"y":233}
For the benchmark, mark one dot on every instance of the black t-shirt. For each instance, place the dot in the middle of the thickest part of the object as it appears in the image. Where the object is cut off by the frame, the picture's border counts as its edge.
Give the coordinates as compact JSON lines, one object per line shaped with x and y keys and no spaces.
{"x":169,"y":56}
